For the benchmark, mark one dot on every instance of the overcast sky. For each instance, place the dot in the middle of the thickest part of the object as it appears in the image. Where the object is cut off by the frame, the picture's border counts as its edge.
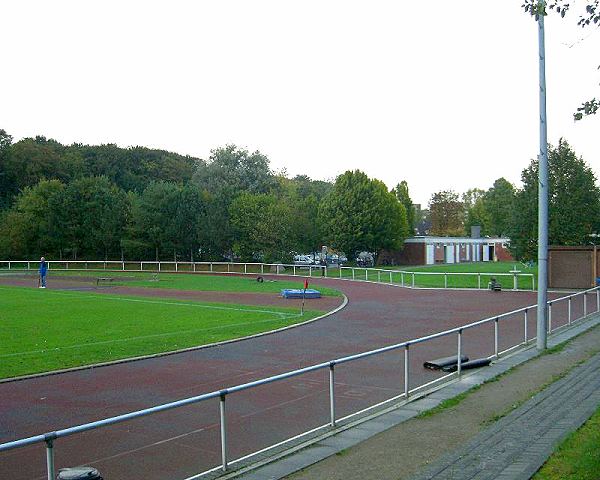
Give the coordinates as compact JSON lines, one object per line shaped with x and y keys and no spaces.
{"x":442,"y":94}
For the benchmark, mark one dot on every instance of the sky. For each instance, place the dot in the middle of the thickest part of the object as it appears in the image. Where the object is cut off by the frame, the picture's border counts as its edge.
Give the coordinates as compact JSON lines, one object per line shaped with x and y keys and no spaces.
{"x":441,"y":94}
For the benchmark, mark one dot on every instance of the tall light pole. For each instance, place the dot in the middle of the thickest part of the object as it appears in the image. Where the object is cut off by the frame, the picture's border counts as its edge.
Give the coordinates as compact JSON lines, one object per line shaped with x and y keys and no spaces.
{"x":542,"y":296}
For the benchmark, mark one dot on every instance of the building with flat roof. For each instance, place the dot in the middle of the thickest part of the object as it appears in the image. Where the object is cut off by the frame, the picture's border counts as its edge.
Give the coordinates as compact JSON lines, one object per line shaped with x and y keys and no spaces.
{"x":426,"y":250}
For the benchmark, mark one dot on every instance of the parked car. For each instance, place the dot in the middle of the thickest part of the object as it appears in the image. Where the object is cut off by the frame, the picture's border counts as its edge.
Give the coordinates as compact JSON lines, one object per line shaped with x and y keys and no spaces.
{"x":303,"y":260}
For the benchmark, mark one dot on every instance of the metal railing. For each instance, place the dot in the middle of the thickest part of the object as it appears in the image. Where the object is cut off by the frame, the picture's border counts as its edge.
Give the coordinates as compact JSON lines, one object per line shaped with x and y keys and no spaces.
{"x":404,"y":278}
{"x":50,"y":438}
{"x":417,"y":279}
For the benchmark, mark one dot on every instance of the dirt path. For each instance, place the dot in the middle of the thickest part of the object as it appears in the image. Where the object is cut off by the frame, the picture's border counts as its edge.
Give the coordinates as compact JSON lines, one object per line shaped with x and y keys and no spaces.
{"x":401,"y":451}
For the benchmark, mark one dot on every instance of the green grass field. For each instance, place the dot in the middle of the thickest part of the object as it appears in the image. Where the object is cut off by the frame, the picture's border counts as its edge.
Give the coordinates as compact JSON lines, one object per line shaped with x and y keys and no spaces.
{"x":44,"y":330}
{"x":202,"y":282}
{"x":462,"y":280}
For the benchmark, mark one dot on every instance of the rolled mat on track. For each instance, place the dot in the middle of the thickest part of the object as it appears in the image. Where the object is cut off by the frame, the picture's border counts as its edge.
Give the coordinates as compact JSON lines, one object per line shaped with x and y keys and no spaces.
{"x":440,"y":363}
{"x":478,"y":362}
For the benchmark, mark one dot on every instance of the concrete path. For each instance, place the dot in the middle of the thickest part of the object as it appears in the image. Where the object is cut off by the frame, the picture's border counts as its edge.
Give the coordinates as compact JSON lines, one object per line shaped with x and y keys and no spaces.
{"x":518,"y":445}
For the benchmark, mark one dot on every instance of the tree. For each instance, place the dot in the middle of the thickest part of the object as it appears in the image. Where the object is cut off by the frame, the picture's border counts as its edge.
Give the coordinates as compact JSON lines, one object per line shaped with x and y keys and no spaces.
{"x":403,"y":197}
{"x":6,"y":187}
{"x":476,"y":212}
{"x":446,"y":213}
{"x":573,"y":204}
{"x":92,"y":213}
{"x":30,"y":227}
{"x":499,"y":204}
{"x":262,"y":227}
{"x":229,"y":172}
{"x":590,"y":17}
{"x":360,"y":214}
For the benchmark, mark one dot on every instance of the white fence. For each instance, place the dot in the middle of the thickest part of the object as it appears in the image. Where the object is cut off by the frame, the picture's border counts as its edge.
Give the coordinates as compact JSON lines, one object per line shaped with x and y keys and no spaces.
{"x":404,"y":278}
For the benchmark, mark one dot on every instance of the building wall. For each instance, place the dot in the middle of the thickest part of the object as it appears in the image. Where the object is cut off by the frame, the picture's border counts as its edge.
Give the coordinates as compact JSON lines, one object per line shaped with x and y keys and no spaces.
{"x":572,"y":267}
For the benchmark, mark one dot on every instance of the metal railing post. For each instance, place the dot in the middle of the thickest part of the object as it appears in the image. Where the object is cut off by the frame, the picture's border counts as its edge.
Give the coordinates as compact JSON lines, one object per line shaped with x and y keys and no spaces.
{"x":458,"y":357}
{"x":310,"y":271}
{"x":341,"y":272}
{"x":332,"y":393}
{"x":525,"y":329}
{"x":245,"y":268}
{"x":445,"y":280}
{"x":406,"y":371}
{"x":569,"y":312}
{"x":228,"y":267}
{"x":262,"y":268}
{"x":50,"y":459}
{"x":549,"y":317}
{"x":598,"y":300}
{"x":123,"y":265}
{"x":413,"y":279}
{"x":496,"y":337}
{"x":401,"y":278}
{"x":353,"y":273}
{"x":366,"y":274}
{"x":479,"y":281}
{"x":585,"y":304}
{"x":194,"y":266}
{"x":515,"y":282}
{"x":379,"y":276}
{"x":223,"y":432}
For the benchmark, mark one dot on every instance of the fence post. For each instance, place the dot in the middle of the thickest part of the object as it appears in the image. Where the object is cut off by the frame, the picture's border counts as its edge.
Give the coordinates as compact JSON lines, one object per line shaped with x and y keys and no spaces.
{"x":458,"y":357}
{"x":379,"y":276}
{"x":245,"y":268}
{"x":193,"y":266}
{"x":406,"y":371}
{"x":353,"y":273}
{"x":598,"y":300}
{"x":445,"y":280}
{"x":122,"y":263}
{"x":525,"y":329}
{"x":262,"y":268}
{"x":532,"y":282}
{"x":341,"y":272}
{"x":413,"y":279}
{"x":549,"y":317}
{"x":50,"y":459}
{"x":584,"y":304}
{"x":332,"y":393}
{"x":176,"y":268}
{"x":479,"y":281}
{"x":496,"y":337}
{"x":515,"y":282}
{"x":569,"y":312}
{"x":223,"y":432}
{"x":401,"y":278}
{"x":366,"y":274}
{"x":309,"y":271}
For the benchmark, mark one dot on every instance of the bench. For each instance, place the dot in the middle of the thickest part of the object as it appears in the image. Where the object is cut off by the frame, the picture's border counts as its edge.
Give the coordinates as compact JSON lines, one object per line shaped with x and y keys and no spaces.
{"x":104,"y":279}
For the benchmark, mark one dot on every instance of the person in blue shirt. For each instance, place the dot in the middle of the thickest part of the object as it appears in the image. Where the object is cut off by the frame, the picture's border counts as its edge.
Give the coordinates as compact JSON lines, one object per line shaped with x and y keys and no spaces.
{"x":43,"y":270}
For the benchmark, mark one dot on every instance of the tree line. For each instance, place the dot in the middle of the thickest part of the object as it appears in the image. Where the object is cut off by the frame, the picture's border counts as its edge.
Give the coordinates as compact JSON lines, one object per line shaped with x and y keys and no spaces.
{"x":82,"y":201}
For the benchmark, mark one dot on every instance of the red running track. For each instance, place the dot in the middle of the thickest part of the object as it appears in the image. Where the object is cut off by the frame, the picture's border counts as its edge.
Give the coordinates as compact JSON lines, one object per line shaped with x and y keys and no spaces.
{"x":183,"y":442}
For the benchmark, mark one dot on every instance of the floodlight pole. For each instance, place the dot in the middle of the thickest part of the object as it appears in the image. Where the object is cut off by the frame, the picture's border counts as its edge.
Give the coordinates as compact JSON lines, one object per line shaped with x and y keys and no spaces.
{"x":542,"y":297}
